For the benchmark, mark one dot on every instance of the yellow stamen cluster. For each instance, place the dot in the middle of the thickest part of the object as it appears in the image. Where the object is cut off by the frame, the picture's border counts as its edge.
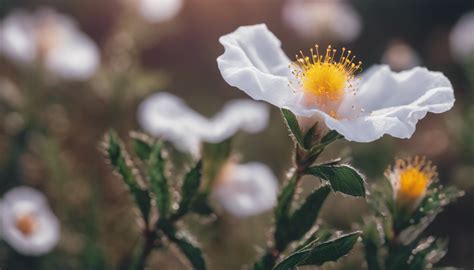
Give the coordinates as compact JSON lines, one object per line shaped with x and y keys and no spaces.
{"x":413,"y":177}
{"x":26,"y":224}
{"x":324,"y":75}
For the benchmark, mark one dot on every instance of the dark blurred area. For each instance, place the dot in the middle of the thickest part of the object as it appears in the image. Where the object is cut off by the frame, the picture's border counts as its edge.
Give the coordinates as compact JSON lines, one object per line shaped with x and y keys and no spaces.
{"x":51,"y":140}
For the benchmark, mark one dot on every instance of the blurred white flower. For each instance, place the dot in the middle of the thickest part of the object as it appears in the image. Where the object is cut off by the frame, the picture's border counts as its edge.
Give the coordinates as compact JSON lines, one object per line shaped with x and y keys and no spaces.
{"x":399,"y":56}
{"x":323,"y":19}
{"x":323,"y":87}
{"x":27,"y":223}
{"x":165,"y":115}
{"x":157,"y":11}
{"x":51,"y":38}
{"x":246,"y":189}
{"x":462,"y":38}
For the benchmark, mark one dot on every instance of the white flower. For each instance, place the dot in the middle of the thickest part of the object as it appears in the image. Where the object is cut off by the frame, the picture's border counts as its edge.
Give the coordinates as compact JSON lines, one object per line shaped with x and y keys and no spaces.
{"x":462,"y":39}
{"x":165,"y":115}
{"x":246,"y":189}
{"x":400,"y":56}
{"x":157,"y":11}
{"x":332,"y":20}
{"x":323,"y":86}
{"x":51,"y":38}
{"x":27,"y":223}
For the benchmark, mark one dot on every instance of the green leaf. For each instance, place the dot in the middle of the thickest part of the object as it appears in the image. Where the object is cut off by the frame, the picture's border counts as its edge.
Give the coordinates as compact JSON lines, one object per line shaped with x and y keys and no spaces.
{"x":332,"y":250}
{"x":123,"y":164}
{"x":118,"y":158}
{"x":266,"y":262}
{"x":200,"y":205}
{"x":321,"y":235}
{"x":304,"y":217}
{"x":143,"y":200}
{"x":318,"y":254}
{"x":343,"y":178}
{"x":282,"y":232}
{"x":158,"y":181}
{"x":330,"y":137}
{"x":309,"y":136}
{"x":190,"y":188}
{"x":142,"y":148}
{"x":193,"y":253}
{"x":284,"y":200}
{"x":293,"y":126}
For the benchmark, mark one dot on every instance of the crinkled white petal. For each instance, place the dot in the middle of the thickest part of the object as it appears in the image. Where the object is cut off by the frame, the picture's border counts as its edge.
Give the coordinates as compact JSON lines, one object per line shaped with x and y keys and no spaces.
{"x":25,"y":200}
{"x":168,"y":116}
{"x":248,"y":189}
{"x":77,"y":57}
{"x":157,"y":11}
{"x":461,"y":38}
{"x":18,"y":39}
{"x":254,"y":62}
{"x":322,"y":19}
{"x":392,"y":103}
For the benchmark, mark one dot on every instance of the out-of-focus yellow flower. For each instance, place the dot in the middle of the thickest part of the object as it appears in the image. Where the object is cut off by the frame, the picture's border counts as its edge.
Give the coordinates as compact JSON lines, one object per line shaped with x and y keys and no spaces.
{"x":410,"y":179}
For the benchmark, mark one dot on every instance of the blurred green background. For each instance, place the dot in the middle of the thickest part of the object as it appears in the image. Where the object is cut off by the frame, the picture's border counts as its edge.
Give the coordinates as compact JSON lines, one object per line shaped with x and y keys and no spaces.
{"x":50,"y":130}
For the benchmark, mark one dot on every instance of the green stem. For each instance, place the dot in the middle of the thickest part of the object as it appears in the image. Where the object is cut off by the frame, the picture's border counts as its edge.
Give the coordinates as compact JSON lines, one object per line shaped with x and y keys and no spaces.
{"x":147,"y":248}
{"x":302,"y":160}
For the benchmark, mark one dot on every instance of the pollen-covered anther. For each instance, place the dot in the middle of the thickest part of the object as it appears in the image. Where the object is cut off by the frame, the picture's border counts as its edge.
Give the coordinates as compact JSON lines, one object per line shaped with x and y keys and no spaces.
{"x":326,"y":76}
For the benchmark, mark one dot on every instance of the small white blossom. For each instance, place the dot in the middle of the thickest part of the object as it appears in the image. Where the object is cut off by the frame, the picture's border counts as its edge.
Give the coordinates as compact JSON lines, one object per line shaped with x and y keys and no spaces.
{"x":157,"y":11}
{"x":400,"y":56}
{"x":462,"y":38}
{"x":50,"y":38}
{"x":246,"y":189}
{"x":318,"y":19}
{"x":165,"y":115}
{"x":323,"y":87}
{"x":27,"y":223}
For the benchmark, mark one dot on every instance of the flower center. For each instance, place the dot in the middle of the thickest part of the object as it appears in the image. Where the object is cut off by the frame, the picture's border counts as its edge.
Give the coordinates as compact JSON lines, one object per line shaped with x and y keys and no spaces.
{"x":325,"y":77}
{"x":26,"y":224}
{"x":414,"y":178}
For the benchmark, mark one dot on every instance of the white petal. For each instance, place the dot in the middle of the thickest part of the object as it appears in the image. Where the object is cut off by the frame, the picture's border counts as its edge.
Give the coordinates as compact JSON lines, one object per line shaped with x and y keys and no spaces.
{"x":462,"y":39}
{"x":25,"y":200}
{"x":254,"y":62}
{"x":165,"y":115}
{"x":159,"y":10}
{"x":18,"y":38}
{"x":392,"y":103}
{"x":249,"y":189}
{"x":247,"y":115}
